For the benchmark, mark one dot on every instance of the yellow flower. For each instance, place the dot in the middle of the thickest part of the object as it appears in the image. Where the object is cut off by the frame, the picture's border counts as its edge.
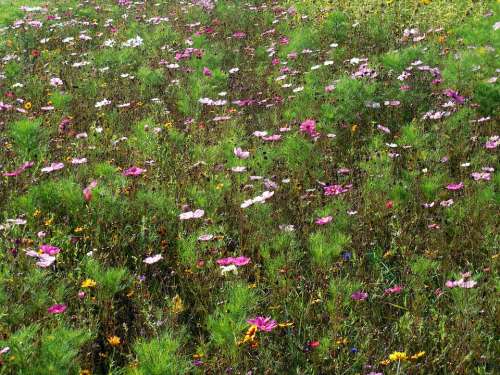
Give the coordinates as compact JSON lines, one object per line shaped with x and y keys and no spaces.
{"x":27,"y":106}
{"x":49,"y":222}
{"x":354,"y":127}
{"x":114,"y":340}
{"x":425,"y":2}
{"x":342,"y":341}
{"x":37,"y":213}
{"x":285,"y":325}
{"x":85,"y":372}
{"x":250,"y":335}
{"x":178,"y":306}
{"x":385,"y":362}
{"x":398,"y":356}
{"x":79,"y":229}
{"x":417,"y":355}
{"x":168,"y":124}
{"x":88,"y":283}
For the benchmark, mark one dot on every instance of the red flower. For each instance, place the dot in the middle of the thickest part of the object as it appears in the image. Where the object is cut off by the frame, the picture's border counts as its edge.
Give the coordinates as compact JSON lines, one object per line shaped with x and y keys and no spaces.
{"x":389,"y":204}
{"x":35,"y":53}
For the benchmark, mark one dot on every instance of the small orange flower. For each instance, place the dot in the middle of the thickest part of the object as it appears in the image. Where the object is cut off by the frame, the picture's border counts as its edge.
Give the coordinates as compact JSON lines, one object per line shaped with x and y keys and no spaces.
{"x":114,"y":340}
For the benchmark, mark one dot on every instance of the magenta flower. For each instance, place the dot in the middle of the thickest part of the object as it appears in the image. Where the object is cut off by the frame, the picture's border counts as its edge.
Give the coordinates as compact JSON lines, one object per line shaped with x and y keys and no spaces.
{"x":207,"y":72}
{"x":57,"y":308}
{"x":336,"y":189}
{"x":324,"y":220}
{"x":49,"y":249}
{"x":263,"y":323}
{"x":238,"y":261}
{"x":359,"y":295}
{"x":455,"y":186}
{"x":394,"y":290}
{"x":309,"y":127}
{"x":19,"y":170}
{"x":133,"y":171}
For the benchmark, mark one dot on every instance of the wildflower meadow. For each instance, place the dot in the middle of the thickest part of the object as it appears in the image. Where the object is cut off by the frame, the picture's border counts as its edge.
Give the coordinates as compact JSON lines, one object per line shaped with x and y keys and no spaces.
{"x":249,"y":187}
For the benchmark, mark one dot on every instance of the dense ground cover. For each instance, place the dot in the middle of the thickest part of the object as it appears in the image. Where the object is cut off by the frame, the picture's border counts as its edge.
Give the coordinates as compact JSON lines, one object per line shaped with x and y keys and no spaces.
{"x":249,"y":187}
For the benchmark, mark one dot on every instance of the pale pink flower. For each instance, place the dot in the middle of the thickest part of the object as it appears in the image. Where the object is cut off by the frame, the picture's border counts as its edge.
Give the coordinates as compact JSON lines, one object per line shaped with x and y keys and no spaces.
{"x":192,"y":214}
{"x":394,"y":290}
{"x":53,"y":167}
{"x":153,"y":259}
{"x":241,"y":154}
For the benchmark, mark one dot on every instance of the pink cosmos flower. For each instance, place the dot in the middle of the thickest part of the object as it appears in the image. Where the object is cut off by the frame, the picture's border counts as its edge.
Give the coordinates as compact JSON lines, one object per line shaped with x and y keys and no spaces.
{"x":454,"y":95}
{"x":238,"y":261}
{"x":44,"y":260}
{"x":192,"y":215}
{"x":272,"y":138}
{"x":19,"y":170}
{"x":77,"y":161}
{"x":455,"y":186}
{"x":239,"y":35}
{"x":462,"y":283}
{"x":447,"y":203}
{"x":153,"y":259}
{"x":394,"y":290}
{"x":207,"y":72}
{"x":205,"y":237}
{"x":49,"y":249}
{"x":336,"y":189}
{"x":239,"y":153}
{"x":324,"y":220}
{"x":359,"y":295}
{"x":265,"y":324}
{"x":87,"y":192}
{"x":481,"y":176}
{"x":309,"y":127}
{"x":492,"y":142}
{"x":383,"y":129}
{"x":53,"y":167}
{"x":133,"y":171}
{"x":57,"y":308}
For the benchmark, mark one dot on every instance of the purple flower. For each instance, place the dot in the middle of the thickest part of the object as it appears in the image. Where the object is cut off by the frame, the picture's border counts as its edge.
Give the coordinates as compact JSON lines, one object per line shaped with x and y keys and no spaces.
{"x":492,"y":142}
{"x":133,"y":171}
{"x":87,"y":192}
{"x":359,"y":295}
{"x":207,"y":72}
{"x":454,"y":95}
{"x":44,"y":260}
{"x":265,"y":324}
{"x":57,"y":308}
